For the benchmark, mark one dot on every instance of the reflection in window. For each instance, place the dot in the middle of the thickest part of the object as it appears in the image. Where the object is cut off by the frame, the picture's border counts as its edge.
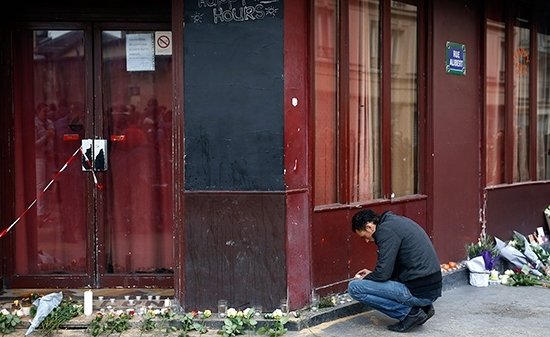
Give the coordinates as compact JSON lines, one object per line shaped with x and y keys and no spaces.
{"x":404,"y":97}
{"x":521,"y":103}
{"x":325,"y":104}
{"x":364,"y":102}
{"x":49,"y":96}
{"x":137,"y":106}
{"x":494,"y":86}
{"x":348,"y":105}
{"x":543,"y":108}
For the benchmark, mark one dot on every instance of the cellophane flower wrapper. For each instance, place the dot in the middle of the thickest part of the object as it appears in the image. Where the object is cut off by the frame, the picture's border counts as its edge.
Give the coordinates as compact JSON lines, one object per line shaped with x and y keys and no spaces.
{"x":515,"y":257}
{"x":44,"y":305}
{"x":528,"y":251}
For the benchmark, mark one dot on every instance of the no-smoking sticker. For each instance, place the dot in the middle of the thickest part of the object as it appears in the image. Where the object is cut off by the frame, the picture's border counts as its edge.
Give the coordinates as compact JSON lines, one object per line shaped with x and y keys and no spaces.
{"x":163,"y":43}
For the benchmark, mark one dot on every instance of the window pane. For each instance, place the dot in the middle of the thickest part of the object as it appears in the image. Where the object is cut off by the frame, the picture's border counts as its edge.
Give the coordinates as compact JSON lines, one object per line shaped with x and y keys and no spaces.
{"x":49,"y":119}
{"x":494,"y":83}
{"x":137,"y":105}
{"x":404,"y":99}
{"x":364,"y":102}
{"x":521,"y":103}
{"x":543,"y":108}
{"x":325,"y":90}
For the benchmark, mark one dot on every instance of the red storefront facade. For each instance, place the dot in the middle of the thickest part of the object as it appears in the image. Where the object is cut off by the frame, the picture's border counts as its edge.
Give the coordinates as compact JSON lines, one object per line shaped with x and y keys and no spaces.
{"x":232,"y":141}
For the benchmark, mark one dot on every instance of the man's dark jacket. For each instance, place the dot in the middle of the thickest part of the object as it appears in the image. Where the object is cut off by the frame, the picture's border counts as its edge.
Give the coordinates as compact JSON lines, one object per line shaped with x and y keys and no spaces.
{"x":406,"y":254}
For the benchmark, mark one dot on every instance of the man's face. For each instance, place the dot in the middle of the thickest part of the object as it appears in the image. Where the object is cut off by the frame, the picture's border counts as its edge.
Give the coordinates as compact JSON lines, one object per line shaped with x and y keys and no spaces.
{"x":366,"y":234}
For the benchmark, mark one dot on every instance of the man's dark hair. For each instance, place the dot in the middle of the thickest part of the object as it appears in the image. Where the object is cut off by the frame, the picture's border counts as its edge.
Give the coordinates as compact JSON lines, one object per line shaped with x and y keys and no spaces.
{"x":361,"y":218}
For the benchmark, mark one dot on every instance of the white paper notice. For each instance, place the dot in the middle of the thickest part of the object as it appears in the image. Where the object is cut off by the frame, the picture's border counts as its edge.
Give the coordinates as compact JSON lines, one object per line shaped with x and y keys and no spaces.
{"x":140,"y":52}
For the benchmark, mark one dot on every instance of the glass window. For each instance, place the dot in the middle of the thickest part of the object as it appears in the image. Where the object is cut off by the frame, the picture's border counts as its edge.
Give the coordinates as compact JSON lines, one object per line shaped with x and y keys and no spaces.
{"x":49,"y":121}
{"x":543,"y":107}
{"x":516,"y":116}
{"x":404,"y":97}
{"x":494,"y":92}
{"x":349,"y":123}
{"x":325,"y":102}
{"x":364,"y":100}
{"x":521,"y":102}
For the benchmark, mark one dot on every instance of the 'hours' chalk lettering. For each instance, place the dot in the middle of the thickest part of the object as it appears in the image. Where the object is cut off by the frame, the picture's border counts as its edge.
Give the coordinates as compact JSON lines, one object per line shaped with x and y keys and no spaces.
{"x":238,"y":14}
{"x":224,"y":11}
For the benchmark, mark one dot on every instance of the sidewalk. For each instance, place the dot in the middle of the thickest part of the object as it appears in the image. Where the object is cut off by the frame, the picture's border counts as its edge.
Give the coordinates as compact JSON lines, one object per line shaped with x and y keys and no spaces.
{"x":463,"y":310}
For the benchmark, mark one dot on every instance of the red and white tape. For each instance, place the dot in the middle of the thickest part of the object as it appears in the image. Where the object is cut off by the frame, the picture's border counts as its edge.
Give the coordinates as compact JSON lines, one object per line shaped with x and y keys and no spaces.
{"x":39,"y":195}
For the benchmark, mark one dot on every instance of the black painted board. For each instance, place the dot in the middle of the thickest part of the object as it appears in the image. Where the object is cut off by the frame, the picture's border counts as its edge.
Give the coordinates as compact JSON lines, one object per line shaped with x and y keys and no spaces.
{"x":233,"y":95}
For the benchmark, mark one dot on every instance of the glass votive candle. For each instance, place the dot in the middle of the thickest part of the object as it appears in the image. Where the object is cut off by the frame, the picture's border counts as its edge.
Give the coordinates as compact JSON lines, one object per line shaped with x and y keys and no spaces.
{"x":258,"y":310}
{"x":222,"y":308}
{"x":149,"y":297}
{"x":126,"y":297}
{"x":315,"y":302}
{"x":138,"y":298}
{"x":284,"y":306}
{"x":157,"y":297}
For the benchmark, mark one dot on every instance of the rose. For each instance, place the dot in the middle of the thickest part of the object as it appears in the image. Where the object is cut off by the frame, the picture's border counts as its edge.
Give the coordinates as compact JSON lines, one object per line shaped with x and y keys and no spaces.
{"x":231,"y":312}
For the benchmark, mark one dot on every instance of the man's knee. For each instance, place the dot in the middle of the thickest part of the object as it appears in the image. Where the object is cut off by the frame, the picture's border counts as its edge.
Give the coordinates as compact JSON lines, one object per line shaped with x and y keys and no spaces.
{"x":354,"y":289}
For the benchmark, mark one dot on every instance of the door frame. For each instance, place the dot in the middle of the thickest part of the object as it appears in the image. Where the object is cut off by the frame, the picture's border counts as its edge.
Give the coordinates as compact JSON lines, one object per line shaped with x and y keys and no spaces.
{"x":95,"y":275}
{"x":101,"y":277}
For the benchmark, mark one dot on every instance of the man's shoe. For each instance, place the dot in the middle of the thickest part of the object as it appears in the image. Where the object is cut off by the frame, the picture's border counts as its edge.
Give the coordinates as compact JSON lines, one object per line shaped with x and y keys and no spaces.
{"x":409,"y":322}
{"x":429,"y":310}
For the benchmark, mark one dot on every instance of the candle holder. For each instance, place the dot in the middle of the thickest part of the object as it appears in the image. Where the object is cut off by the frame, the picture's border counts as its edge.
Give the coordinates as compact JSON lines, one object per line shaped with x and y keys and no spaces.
{"x":222,"y":308}
{"x":315,"y":299}
{"x":284,"y":306}
{"x":258,"y":310}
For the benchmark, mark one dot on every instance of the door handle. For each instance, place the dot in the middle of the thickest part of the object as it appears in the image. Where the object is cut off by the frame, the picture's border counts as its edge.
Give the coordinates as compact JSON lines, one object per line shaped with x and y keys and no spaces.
{"x":94,"y":155}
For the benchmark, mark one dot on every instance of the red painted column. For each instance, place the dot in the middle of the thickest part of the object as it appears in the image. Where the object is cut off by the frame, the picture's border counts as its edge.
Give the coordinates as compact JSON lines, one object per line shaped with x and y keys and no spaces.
{"x":296,"y":154}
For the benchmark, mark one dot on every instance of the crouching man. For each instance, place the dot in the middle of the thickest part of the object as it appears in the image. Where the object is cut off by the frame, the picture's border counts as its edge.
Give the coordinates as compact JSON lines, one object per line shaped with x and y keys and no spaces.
{"x":407,"y":277}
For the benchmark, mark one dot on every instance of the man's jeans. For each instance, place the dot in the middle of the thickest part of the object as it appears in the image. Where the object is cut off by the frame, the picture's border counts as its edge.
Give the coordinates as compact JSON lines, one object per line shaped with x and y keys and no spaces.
{"x":389,"y":297}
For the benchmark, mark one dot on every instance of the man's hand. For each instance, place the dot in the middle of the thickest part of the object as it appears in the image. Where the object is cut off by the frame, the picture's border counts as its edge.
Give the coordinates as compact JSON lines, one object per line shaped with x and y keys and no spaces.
{"x":362,"y":273}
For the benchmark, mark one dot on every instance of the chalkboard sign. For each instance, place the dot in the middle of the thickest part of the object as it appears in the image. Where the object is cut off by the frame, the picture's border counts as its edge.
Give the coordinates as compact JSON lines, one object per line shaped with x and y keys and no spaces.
{"x":233,"y":95}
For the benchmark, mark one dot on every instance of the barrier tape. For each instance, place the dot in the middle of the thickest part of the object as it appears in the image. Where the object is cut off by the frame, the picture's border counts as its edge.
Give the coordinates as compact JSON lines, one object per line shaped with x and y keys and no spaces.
{"x":39,"y":195}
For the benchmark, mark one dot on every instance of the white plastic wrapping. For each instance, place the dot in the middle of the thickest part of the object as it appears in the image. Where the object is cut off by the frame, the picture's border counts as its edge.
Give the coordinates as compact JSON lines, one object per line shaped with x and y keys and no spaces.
{"x":44,"y":305}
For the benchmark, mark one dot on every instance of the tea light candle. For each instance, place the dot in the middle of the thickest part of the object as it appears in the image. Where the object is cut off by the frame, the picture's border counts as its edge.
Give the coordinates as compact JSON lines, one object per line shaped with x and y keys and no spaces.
{"x":88,"y":302}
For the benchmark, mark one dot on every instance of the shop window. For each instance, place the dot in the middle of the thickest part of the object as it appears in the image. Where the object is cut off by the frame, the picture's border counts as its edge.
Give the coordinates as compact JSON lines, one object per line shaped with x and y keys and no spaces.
{"x":494,"y":110}
{"x":543,"y":107}
{"x":517,"y":78}
{"x":366,"y":124}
